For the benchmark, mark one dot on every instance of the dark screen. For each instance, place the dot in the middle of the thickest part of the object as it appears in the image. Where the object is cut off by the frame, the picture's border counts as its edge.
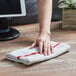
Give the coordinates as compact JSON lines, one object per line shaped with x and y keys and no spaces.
{"x":10,"y":7}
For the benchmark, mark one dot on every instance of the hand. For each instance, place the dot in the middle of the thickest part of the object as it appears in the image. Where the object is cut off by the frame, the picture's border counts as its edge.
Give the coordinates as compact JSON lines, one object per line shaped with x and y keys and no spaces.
{"x":43,"y":42}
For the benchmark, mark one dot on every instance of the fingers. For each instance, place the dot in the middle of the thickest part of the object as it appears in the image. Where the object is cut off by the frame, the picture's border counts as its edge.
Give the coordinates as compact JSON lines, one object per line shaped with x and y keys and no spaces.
{"x":33,"y":45}
{"x":41,"y":46}
{"x":51,"y":49}
{"x":45,"y":48}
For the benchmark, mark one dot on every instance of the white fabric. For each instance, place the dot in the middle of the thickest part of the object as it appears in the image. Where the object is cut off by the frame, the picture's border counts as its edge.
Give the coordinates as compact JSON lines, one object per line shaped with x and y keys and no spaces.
{"x":58,"y":50}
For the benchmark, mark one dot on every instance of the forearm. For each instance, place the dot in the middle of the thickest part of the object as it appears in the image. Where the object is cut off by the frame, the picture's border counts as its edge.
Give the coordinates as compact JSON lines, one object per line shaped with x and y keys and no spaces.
{"x":45,"y":14}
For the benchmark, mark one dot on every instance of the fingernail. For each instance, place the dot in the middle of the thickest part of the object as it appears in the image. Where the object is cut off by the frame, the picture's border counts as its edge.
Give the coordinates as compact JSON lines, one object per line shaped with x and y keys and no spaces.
{"x":48,"y":54}
{"x":45,"y":54}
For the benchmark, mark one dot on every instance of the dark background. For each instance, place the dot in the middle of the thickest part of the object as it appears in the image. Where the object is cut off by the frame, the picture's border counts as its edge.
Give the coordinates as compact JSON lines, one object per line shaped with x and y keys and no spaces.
{"x":32,"y":14}
{"x":10,"y":7}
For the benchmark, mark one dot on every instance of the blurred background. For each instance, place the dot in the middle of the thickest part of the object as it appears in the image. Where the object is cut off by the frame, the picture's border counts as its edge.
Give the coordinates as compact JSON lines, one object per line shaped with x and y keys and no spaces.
{"x":32,"y":14}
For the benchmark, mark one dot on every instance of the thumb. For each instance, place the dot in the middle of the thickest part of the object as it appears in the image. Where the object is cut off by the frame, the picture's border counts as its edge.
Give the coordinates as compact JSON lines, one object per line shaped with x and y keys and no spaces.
{"x":33,"y":45}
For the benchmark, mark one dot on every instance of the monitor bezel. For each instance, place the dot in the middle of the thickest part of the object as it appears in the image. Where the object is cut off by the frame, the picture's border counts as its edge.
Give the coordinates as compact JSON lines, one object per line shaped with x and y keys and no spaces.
{"x":23,"y":11}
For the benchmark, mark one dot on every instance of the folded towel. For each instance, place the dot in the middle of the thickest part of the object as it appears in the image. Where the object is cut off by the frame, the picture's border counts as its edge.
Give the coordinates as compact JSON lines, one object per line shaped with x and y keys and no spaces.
{"x":29,"y":56}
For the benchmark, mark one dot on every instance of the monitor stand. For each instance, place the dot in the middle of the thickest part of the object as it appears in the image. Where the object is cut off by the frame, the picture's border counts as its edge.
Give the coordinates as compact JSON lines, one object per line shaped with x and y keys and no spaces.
{"x":7,"y":33}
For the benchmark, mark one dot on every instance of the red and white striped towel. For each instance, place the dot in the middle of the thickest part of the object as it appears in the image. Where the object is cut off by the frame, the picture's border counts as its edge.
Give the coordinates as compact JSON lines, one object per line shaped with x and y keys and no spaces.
{"x":30,"y":56}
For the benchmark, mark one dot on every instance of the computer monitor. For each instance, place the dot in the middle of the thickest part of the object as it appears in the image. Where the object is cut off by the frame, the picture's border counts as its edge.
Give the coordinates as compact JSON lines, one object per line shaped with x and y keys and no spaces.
{"x":12,"y":8}
{"x":8,"y":9}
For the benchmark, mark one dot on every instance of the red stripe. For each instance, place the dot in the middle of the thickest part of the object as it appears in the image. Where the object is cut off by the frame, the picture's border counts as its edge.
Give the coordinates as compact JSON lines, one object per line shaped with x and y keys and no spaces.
{"x":36,"y":52}
{"x":56,"y":45}
{"x":19,"y":57}
{"x":28,"y":55}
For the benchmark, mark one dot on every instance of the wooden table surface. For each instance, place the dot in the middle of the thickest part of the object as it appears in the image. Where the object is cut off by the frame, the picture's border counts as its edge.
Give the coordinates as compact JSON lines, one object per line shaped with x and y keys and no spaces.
{"x":64,"y":65}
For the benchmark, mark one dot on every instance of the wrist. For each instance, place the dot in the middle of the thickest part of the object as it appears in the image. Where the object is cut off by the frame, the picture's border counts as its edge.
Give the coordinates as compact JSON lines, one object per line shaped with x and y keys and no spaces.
{"x":45,"y":33}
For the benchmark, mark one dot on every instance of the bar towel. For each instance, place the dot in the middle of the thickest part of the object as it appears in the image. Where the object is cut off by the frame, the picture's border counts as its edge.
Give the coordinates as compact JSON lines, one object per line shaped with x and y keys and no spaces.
{"x":30,"y":56}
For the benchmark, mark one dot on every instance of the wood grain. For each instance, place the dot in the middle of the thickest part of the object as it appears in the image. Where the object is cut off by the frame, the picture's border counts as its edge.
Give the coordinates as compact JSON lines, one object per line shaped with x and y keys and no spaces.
{"x":69,"y":18}
{"x":64,"y":65}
